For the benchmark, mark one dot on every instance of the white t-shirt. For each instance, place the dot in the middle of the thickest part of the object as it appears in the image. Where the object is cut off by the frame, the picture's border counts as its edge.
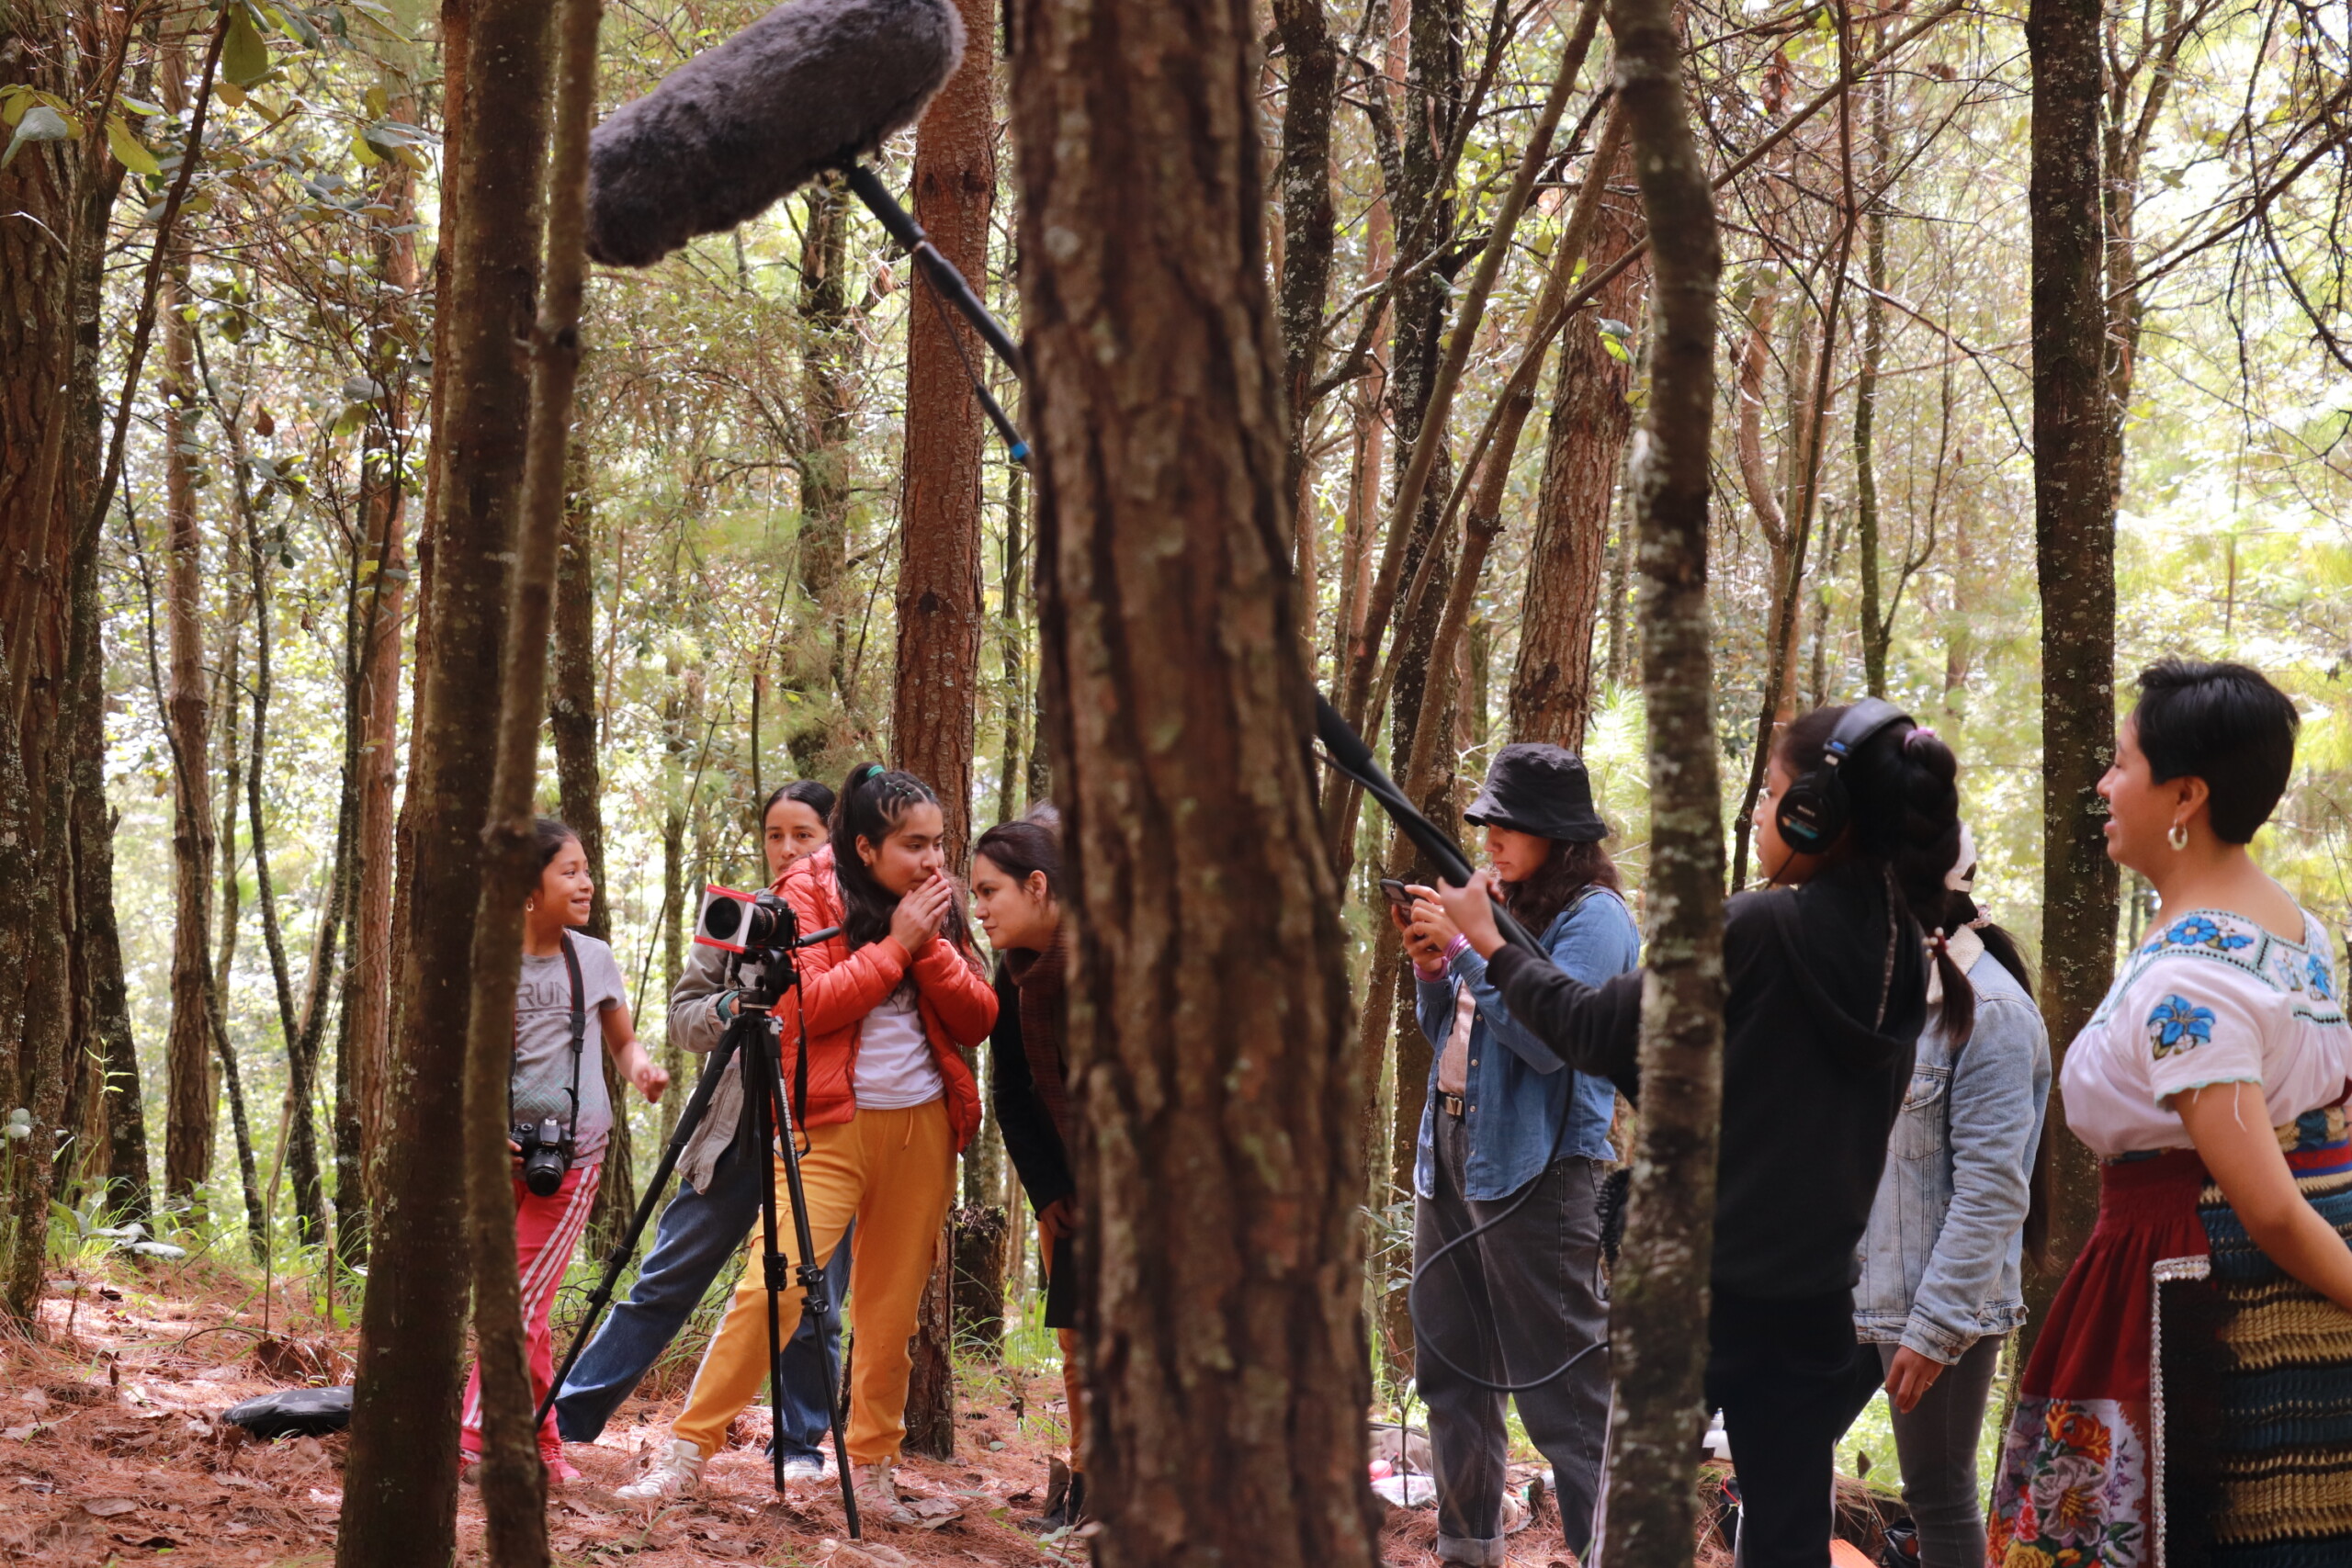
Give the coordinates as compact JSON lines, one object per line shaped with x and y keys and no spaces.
{"x":895,"y":1067}
{"x":2212,"y":998}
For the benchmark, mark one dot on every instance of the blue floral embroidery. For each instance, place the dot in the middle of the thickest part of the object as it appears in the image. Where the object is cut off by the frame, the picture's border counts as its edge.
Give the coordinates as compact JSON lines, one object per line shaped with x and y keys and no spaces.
{"x":2179,"y":1024}
{"x":2196,"y":931}
{"x":2322,"y":983}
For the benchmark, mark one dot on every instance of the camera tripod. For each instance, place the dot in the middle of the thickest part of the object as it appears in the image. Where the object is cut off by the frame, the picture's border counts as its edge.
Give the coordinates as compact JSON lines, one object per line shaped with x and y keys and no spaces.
{"x":752,"y":1040}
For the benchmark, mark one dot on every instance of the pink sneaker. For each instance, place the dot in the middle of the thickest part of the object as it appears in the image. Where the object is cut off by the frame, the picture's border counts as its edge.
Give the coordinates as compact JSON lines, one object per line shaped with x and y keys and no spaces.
{"x":560,"y":1471}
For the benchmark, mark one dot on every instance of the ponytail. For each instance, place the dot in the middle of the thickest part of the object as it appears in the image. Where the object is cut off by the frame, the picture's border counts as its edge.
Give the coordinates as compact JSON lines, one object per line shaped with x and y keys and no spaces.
{"x":871,"y":802}
{"x":1902,"y":787}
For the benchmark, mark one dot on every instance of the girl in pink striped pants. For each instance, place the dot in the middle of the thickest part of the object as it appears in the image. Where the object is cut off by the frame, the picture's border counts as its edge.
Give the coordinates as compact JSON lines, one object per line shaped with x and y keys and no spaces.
{"x":568,"y":980}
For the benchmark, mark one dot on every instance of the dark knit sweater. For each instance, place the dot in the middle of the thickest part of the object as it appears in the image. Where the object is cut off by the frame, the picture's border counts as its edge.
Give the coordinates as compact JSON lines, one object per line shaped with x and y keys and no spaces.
{"x":1820,"y":1036}
{"x":1028,"y":1081}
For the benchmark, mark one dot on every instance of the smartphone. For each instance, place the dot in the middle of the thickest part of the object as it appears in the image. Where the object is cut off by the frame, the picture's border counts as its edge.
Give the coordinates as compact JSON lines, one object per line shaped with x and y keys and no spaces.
{"x":1398,"y":894}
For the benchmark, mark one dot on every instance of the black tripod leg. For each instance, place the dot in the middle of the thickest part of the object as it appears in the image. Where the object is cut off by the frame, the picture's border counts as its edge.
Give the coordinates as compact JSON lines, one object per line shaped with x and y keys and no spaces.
{"x":814,"y":1301}
{"x":688,"y":1121}
{"x":772,"y":1122}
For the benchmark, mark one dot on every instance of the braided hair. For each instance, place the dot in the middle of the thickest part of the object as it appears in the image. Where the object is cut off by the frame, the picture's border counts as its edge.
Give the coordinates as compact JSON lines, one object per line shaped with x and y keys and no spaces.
{"x":1903,"y":785}
{"x":873,"y":802}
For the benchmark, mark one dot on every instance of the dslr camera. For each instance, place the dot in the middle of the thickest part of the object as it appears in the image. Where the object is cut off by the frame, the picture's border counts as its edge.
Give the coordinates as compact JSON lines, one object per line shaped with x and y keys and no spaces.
{"x":547,"y":1155}
{"x":744,"y":922}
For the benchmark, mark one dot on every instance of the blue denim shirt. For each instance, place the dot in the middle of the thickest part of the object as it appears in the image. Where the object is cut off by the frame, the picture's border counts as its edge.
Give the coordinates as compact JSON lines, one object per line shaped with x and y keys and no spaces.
{"x":1513,"y":1097}
{"x":1940,"y":1260}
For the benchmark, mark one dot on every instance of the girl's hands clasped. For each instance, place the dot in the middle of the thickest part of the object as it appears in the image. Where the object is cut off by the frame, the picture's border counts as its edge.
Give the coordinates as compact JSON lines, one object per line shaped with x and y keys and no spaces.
{"x":920,"y":913}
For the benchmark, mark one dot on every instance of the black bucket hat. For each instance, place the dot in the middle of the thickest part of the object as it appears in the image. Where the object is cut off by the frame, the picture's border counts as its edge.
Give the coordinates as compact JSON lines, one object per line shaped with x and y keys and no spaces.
{"x":1538,"y":788}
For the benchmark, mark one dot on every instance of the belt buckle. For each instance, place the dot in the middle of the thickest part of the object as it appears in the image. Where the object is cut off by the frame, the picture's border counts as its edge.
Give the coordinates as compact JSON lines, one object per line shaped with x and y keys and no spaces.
{"x":1451,"y":1104}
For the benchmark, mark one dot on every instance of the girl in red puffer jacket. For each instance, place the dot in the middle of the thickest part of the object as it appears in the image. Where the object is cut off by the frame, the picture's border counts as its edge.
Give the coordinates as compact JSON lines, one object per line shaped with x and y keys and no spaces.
{"x":884,"y":1102}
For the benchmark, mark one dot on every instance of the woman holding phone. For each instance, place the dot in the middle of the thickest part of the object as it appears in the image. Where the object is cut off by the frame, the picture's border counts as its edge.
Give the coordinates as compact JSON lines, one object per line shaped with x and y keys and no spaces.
{"x":1510,"y":1138}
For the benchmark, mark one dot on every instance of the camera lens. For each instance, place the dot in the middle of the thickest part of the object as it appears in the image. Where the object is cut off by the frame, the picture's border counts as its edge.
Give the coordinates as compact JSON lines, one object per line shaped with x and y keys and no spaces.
{"x":762,"y":922}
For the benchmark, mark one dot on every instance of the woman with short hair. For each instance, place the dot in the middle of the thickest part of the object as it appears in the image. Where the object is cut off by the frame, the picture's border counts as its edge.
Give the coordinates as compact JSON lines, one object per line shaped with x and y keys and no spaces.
{"x":2190,"y":1398}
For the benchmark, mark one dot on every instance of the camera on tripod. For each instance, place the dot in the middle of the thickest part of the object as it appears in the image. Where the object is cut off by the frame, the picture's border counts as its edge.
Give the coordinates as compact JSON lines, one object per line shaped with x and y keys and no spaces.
{"x":744,"y":922}
{"x":547,"y":1155}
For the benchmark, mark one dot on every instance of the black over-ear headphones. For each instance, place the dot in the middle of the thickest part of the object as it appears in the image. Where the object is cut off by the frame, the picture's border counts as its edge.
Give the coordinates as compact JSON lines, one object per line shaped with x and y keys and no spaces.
{"x":1815,"y":808}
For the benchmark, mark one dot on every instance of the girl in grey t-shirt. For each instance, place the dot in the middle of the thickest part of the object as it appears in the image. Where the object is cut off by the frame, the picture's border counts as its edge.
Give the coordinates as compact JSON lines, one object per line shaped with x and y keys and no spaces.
{"x":548,"y":1228}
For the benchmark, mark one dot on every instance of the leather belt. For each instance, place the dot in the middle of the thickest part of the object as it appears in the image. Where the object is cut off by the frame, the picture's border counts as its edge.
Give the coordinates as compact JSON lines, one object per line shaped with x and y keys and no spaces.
{"x":1450,"y":1103}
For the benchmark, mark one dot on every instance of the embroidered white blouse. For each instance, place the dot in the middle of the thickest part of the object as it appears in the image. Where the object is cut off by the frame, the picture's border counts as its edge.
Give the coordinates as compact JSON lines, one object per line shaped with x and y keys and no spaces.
{"x":2212,"y":997}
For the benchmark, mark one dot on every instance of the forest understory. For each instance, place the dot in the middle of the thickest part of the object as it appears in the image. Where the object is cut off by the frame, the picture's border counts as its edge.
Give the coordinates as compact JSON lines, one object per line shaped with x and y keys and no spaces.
{"x":113,"y":1451}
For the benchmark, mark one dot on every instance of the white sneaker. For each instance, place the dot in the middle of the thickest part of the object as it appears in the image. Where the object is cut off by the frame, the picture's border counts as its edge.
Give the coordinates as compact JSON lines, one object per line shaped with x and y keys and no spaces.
{"x":804,"y":1467}
{"x":878,"y":1494}
{"x":677,"y":1472}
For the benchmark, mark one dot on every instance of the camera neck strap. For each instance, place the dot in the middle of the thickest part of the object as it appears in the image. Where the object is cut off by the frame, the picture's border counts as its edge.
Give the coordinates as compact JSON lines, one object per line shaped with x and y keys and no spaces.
{"x":579,"y":1025}
{"x":579,"y":1035}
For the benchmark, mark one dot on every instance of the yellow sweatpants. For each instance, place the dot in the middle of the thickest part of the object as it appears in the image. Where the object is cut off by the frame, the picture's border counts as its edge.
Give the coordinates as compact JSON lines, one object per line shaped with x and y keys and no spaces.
{"x":894,"y":1173}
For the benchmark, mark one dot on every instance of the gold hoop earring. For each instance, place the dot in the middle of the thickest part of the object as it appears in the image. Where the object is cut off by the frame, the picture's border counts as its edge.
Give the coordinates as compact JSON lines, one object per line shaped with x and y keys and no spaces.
{"x":2179,"y":837}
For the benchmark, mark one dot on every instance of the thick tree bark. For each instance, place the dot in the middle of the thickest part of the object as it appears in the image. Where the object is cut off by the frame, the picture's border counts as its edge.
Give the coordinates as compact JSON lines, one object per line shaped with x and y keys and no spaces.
{"x":399,"y":1490}
{"x":1218,"y":1100}
{"x":192,"y":1090}
{"x":828,"y":360}
{"x":936,"y":697}
{"x":57,"y":195}
{"x":2073,"y":505}
{"x":1657,"y":1343}
{"x":1552,"y":681}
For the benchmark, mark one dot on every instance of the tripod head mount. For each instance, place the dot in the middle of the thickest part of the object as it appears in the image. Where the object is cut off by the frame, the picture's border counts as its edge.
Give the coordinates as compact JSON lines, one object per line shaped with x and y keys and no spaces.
{"x":777,"y":929}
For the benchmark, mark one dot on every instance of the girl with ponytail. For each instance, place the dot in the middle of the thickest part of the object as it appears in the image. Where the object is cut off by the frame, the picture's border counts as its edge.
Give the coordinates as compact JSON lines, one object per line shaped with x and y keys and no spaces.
{"x":882,"y":1100}
{"x":1826,"y":972}
{"x":1942,"y":1285}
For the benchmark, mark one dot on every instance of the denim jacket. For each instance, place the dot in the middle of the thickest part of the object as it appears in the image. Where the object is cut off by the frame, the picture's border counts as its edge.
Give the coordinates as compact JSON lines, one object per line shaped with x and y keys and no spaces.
{"x":1513,"y":1097}
{"x":1940,"y":1260}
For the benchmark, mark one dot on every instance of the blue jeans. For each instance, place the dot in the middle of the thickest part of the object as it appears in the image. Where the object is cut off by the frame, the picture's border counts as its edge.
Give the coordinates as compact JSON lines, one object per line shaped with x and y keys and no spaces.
{"x":699,"y":1232}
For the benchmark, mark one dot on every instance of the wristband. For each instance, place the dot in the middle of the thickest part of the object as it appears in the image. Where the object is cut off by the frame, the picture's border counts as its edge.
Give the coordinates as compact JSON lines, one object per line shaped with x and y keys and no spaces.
{"x":1456,"y":948}
{"x":1431,"y":975}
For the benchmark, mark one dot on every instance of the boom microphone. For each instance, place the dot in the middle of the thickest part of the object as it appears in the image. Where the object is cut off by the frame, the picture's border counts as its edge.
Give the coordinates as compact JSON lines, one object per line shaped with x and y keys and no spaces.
{"x":813,"y":85}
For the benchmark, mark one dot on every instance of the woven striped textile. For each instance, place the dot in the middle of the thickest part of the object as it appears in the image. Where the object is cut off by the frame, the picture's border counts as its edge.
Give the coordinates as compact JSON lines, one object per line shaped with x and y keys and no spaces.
{"x":2280,"y":1380}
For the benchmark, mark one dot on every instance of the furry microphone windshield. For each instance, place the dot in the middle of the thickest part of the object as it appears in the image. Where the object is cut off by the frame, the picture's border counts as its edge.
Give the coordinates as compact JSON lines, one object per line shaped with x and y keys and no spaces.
{"x":810,"y":87}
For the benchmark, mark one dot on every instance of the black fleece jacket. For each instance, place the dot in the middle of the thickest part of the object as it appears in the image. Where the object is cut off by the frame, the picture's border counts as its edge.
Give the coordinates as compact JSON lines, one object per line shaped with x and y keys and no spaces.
{"x":1819,"y":1035}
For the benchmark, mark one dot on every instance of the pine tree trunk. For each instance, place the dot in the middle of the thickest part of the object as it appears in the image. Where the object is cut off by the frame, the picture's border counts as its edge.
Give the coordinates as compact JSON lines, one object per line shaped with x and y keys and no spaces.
{"x":514,"y":1481}
{"x":399,"y":1490}
{"x":192,"y":1089}
{"x":1218,"y":1106}
{"x":936,"y":694}
{"x":1551,"y":684}
{"x":935,"y":700}
{"x":103,"y":1038}
{"x":2074,"y":556}
{"x":1876,"y":623}
{"x":363,"y":1048}
{"x":829,"y":358}
{"x":573,"y":719}
{"x":57,"y":195}
{"x":1303,"y":176}
{"x":1657,"y":1338}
